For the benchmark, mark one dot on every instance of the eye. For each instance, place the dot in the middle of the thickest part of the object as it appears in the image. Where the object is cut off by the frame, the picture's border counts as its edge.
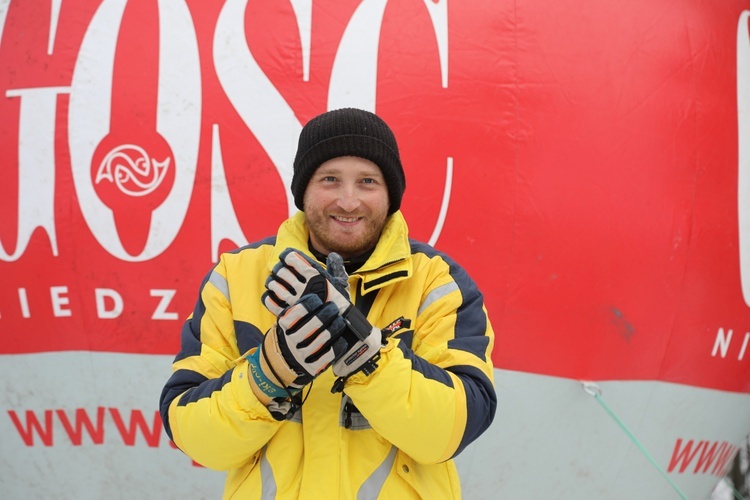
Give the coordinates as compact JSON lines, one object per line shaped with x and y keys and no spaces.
{"x":369,"y":180}
{"x":329,"y":178}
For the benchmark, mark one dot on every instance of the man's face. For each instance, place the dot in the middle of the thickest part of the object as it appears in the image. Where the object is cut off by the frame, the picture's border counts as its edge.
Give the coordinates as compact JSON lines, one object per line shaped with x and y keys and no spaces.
{"x":346,"y":206}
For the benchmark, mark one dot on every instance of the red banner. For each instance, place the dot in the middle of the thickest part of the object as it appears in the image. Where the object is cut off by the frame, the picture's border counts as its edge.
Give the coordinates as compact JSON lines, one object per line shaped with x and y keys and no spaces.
{"x":587,"y":163}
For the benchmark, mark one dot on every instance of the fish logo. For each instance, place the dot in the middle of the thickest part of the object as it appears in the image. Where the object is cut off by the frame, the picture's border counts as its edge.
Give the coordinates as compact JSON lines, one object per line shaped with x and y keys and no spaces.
{"x":132,"y":170}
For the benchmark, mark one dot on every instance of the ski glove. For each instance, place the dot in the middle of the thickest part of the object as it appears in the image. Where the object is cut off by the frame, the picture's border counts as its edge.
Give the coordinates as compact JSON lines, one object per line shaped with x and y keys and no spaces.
{"x":296,"y":275}
{"x":304,"y":342}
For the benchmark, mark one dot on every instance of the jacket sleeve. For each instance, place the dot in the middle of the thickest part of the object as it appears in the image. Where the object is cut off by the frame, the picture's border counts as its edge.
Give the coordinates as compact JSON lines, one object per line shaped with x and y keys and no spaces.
{"x":207,"y":405}
{"x":433,"y":392}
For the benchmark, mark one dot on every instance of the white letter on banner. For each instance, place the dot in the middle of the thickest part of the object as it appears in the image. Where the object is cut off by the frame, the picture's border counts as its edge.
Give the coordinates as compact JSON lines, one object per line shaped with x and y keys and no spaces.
{"x":23,"y":300}
{"x":744,"y":347}
{"x":743,"y":157}
{"x":57,"y":294}
{"x":36,"y":166}
{"x":722,"y":343}
{"x":178,"y":119}
{"x":101,"y":309}
{"x":161,"y":310}
{"x":260,"y":105}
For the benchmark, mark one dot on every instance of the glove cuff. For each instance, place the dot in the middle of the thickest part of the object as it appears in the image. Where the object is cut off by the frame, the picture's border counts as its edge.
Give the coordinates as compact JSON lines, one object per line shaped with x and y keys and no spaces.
{"x":263,"y":387}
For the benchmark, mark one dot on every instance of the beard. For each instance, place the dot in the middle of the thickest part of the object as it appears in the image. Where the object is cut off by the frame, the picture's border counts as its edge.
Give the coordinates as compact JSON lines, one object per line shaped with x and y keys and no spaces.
{"x":348,"y":242}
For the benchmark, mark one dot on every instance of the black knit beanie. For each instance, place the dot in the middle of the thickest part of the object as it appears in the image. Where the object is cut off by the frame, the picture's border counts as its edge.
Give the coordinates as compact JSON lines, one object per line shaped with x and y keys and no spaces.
{"x":348,"y":132}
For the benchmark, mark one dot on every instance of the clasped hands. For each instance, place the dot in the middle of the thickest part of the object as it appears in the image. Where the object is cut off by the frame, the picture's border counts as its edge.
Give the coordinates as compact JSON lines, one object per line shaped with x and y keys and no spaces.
{"x":317,"y":326}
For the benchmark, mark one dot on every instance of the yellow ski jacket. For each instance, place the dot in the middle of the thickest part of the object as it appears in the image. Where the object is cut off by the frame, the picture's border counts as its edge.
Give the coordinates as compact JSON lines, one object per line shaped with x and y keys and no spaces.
{"x":391,"y":434}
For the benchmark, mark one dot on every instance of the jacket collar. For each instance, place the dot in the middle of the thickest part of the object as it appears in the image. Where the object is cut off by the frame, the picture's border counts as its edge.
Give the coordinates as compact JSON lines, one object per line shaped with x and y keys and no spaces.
{"x":390,"y":261}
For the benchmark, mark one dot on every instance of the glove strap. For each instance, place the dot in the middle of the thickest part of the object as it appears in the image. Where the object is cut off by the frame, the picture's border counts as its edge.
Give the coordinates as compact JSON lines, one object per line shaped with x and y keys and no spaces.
{"x":357,"y":322}
{"x":264,"y":383}
{"x":370,"y":366}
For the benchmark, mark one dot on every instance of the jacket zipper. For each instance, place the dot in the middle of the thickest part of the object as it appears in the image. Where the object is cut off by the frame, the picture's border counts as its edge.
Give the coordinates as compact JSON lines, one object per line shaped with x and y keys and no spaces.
{"x":347,"y":415}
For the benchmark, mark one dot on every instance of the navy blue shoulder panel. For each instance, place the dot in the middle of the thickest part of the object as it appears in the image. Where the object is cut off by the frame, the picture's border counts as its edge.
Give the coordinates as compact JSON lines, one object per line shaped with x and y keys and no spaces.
{"x":471,"y":321}
{"x":270,"y":240}
{"x":190,"y":344}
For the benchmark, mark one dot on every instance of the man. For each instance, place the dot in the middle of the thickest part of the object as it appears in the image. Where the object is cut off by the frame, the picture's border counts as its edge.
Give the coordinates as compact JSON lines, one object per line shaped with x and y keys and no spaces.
{"x":304,"y":382}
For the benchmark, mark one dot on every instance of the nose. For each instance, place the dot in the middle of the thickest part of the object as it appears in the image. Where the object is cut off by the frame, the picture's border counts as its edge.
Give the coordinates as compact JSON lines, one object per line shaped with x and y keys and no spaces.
{"x":348,"y":199}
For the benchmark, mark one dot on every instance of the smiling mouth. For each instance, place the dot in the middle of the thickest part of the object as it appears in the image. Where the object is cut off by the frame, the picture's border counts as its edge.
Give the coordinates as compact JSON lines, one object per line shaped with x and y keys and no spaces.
{"x":346,"y":219}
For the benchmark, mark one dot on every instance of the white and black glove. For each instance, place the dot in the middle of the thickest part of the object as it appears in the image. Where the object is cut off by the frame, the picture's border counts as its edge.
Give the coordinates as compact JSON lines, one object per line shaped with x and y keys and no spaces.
{"x":297,"y":275}
{"x":303,"y":343}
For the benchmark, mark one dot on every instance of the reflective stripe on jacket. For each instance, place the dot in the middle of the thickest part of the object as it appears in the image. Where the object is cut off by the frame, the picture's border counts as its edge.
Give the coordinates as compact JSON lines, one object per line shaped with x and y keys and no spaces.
{"x":392,"y":434}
